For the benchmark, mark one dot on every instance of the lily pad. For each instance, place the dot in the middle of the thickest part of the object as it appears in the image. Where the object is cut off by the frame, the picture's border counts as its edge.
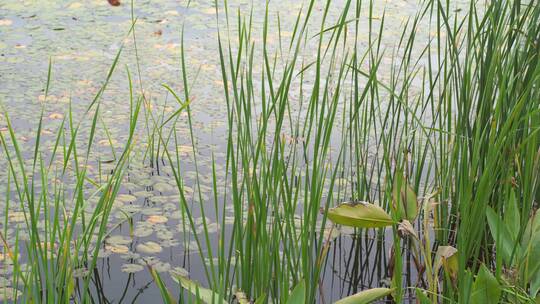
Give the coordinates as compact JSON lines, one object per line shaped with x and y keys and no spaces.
{"x":149,"y":247}
{"x":132,"y":268}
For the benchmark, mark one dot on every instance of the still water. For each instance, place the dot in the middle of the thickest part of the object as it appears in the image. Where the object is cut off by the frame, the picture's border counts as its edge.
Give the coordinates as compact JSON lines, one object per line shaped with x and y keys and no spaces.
{"x":81,"y":39}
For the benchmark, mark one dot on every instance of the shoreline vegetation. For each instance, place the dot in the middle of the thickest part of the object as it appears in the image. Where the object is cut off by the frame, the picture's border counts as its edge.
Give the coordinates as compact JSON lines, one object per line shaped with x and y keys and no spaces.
{"x":441,"y":154}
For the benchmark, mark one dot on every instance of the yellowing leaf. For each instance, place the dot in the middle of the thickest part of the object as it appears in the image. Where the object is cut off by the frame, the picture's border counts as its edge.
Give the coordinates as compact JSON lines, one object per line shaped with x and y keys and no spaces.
{"x":447,"y":257}
{"x":203,"y":294}
{"x":366,"y":296}
{"x":157,"y":219}
{"x":56,"y":116}
{"x":361,"y":215}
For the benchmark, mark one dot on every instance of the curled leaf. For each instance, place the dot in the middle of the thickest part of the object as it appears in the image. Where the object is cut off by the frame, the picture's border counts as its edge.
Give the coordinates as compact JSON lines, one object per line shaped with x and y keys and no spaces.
{"x":366,"y":296}
{"x":406,"y":229}
{"x":447,"y":257}
{"x":404,"y":200}
{"x":360,"y":215}
{"x":202,"y":294}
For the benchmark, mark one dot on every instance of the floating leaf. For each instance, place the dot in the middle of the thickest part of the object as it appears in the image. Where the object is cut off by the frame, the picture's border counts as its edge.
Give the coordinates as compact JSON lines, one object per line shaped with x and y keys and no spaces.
{"x":5,"y":22}
{"x":118,"y":240}
{"x":362,"y":215}
{"x":143,"y":231}
{"x":178,"y":271}
{"x":149,"y":247}
{"x":56,"y":116}
{"x":157,"y":219}
{"x":116,"y":248}
{"x":16,"y":217}
{"x":131,"y":268}
{"x":366,"y":296}
{"x":163,"y":187}
{"x":75,"y":5}
{"x":124,"y":198}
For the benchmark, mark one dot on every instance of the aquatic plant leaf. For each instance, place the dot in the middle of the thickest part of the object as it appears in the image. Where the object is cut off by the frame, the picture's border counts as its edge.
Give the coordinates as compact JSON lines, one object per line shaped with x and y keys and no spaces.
{"x":511,"y":216}
{"x":241,"y":297}
{"x":361,"y":215}
{"x":405,"y":228}
{"x":149,"y":247}
{"x":77,"y":273}
{"x":421,"y":297}
{"x":500,"y":234}
{"x":447,"y":257}
{"x":404,"y":200}
{"x":261,"y":299}
{"x":165,"y":293}
{"x":124,"y":198}
{"x":116,"y":248}
{"x":163,"y":187}
{"x":157,"y":219}
{"x":131,"y":268}
{"x":366,"y":296}
{"x":530,"y":260}
{"x":143,"y":231}
{"x":118,"y":240}
{"x":486,"y":288}
{"x":298,"y":294}
{"x":535,"y":287}
{"x":204,"y":294}
{"x":178,"y":271}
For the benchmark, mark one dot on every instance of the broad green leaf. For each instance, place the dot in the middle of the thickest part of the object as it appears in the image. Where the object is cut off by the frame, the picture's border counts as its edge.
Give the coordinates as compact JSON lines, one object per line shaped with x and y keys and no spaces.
{"x":261,"y":299}
{"x":366,"y":296}
{"x":361,"y":215}
{"x":204,"y":294}
{"x":404,"y":200}
{"x":298,"y":294}
{"x":511,"y":216}
{"x":486,"y":288}
{"x":501,"y":235}
{"x":535,"y":286}
{"x":530,"y":261}
{"x":532,"y":230}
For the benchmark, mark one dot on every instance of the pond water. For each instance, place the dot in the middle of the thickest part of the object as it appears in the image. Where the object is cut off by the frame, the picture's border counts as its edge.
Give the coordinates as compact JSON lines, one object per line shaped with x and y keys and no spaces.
{"x":81,"y":39}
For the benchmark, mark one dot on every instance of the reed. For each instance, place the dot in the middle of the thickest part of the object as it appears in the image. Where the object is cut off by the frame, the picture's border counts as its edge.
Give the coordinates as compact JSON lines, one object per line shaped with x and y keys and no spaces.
{"x":433,"y":159}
